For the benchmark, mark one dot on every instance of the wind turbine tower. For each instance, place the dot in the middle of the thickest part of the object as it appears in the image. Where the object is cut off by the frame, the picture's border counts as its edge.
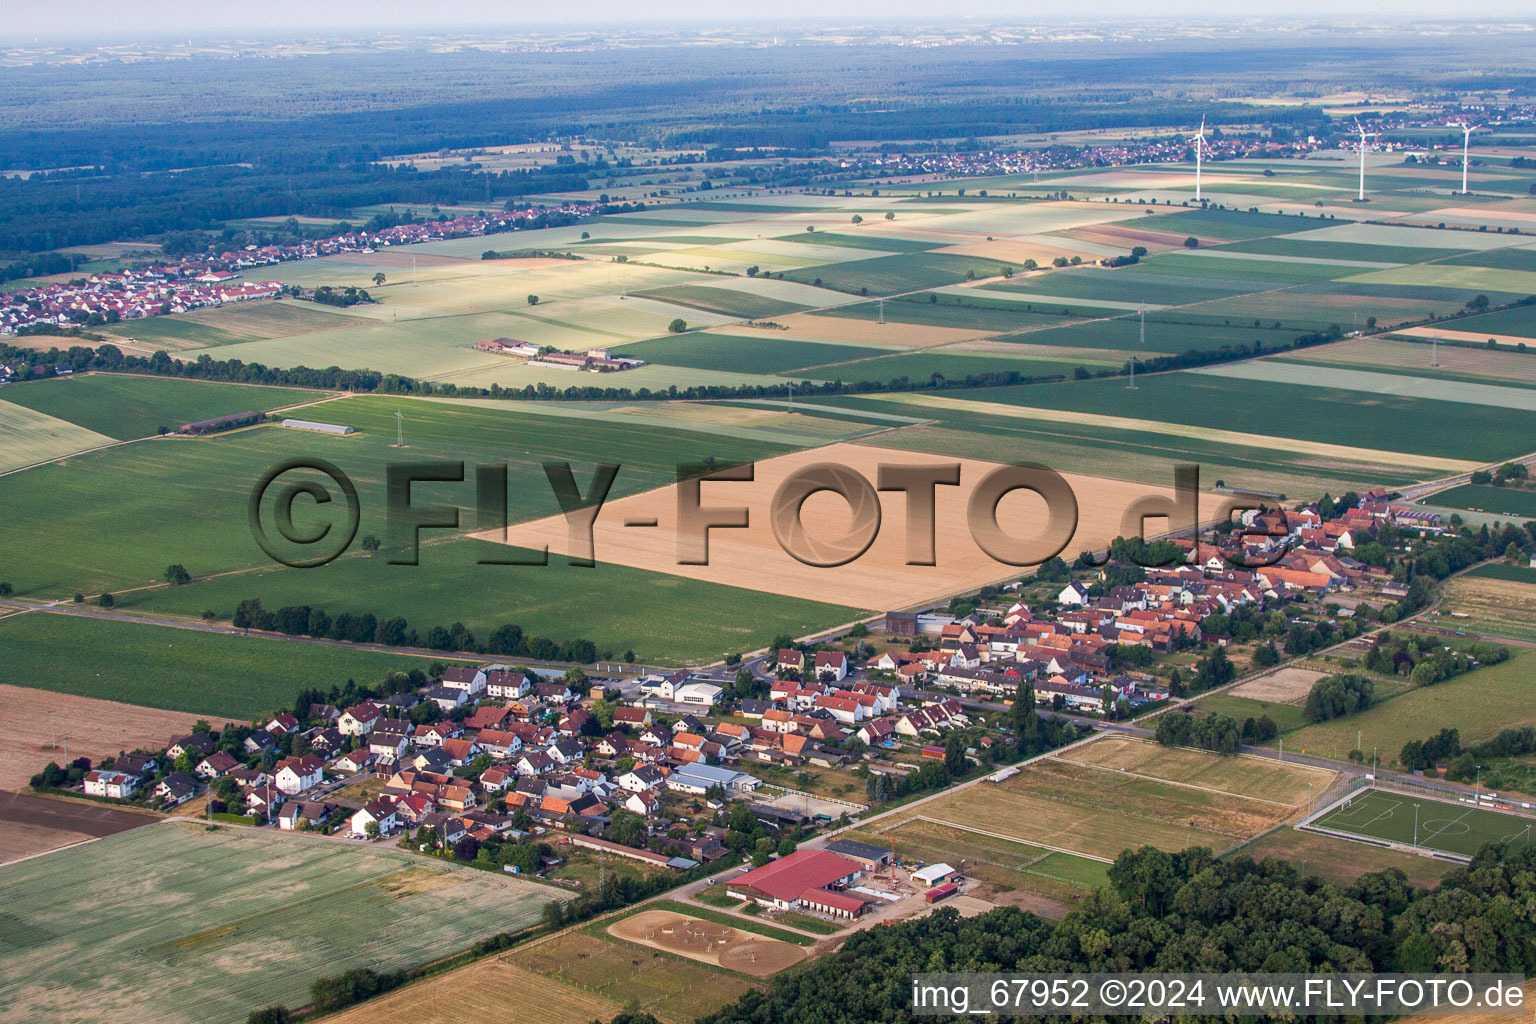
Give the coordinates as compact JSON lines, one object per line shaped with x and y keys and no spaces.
{"x":1363,"y":136}
{"x":1466,"y":142}
{"x":1199,"y":140}
{"x":1142,"y":313}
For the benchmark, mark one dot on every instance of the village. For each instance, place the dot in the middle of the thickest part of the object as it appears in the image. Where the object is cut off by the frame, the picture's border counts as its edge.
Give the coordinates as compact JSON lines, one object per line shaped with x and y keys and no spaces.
{"x":537,"y":770}
{"x":161,"y":288}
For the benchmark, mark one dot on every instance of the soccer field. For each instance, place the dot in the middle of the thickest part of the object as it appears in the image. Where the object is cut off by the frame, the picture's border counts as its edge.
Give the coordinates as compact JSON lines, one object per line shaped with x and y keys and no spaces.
{"x":1449,"y":828}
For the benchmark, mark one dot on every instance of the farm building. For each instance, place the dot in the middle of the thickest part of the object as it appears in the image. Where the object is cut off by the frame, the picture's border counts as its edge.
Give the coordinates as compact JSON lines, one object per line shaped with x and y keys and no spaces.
{"x":319,"y":428}
{"x":870,"y":856}
{"x":810,"y":878}
{"x":933,"y":875}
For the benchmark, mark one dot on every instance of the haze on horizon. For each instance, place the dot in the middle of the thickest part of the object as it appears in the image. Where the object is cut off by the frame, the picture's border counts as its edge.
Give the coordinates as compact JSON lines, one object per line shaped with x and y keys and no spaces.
{"x":107,"y":21}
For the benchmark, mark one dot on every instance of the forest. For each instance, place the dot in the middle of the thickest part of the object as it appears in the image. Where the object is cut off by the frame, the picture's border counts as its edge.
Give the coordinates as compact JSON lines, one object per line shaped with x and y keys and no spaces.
{"x":1183,"y":912}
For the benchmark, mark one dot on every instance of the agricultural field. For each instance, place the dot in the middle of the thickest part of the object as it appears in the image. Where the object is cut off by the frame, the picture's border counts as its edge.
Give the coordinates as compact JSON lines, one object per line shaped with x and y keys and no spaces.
{"x":481,"y":991}
{"x":1139,"y":449}
{"x":1508,"y":501}
{"x":947,"y":363}
{"x":1401,"y":355}
{"x":123,"y":407}
{"x":1075,"y":805}
{"x":226,"y":325}
{"x":1341,"y":861}
{"x":211,"y":674}
{"x":1423,"y":822}
{"x":28,"y":437}
{"x":203,"y":484}
{"x":1478,"y":704}
{"x":892,"y":275}
{"x":762,"y":352}
{"x":673,"y":989}
{"x":1424,"y":426}
{"x":266,"y":912}
{"x":1496,"y":601}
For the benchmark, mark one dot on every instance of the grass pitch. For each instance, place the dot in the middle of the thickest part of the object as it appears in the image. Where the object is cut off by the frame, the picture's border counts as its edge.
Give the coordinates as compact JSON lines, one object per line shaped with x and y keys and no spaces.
{"x":264,"y":913}
{"x":1449,"y":828}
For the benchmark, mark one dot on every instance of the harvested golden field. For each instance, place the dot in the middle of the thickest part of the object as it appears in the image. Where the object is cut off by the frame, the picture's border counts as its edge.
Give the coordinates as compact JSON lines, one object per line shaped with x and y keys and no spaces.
{"x":879,"y":578}
{"x":494,"y":989}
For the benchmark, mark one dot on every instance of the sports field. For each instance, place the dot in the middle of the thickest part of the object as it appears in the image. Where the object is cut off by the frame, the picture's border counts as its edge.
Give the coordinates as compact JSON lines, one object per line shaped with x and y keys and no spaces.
{"x":1407,"y":820}
{"x":1097,"y":801}
{"x":265,"y":913}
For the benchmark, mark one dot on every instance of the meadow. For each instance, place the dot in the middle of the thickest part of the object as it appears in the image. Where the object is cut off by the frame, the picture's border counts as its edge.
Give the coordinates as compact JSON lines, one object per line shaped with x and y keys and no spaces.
{"x":1493,"y":600}
{"x":1341,"y":861}
{"x":213,"y":674}
{"x":1478,"y":704}
{"x":123,"y":406}
{"x":264,"y":912}
{"x":891,"y":275}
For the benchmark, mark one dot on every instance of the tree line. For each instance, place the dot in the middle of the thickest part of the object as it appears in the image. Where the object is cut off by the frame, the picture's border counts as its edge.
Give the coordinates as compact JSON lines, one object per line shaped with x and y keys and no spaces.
{"x":507,"y":640}
{"x":1169,"y":912}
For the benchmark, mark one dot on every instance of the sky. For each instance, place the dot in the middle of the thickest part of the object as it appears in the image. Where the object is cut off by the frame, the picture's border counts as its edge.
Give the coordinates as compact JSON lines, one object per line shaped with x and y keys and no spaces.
{"x":133,"y":18}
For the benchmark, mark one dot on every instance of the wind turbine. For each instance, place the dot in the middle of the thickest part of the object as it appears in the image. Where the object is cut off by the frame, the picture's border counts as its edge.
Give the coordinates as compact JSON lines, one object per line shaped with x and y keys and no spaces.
{"x":1363,"y":136}
{"x":1466,"y":141}
{"x":1199,"y":141}
{"x":1143,"y":314}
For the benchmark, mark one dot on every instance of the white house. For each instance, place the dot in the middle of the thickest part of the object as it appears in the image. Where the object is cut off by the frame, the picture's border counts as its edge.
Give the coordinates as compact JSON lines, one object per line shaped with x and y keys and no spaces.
{"x":1073,"y":593}
{"x":359,"y":720}
{"x":296,"y":774}
{"x":113,"y":785}
{"x":471,"y":680}
{"x":503,"y":684}
{"x":377,"y":812}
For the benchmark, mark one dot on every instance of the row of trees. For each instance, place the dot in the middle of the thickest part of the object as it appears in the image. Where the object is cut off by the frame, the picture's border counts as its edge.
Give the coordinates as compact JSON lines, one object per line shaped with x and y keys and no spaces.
{"x":507,"y":640}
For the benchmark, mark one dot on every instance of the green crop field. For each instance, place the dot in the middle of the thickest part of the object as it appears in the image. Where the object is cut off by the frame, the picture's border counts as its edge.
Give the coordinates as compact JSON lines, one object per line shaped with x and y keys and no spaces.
{"x":1394,"y":423}
{"x":28,"y":437}
{"x":890,"y":275}
{"x":1426,"y":823}
{"x":972,"y":312}
{"x":1487,"y":498}
{"x":226,"y":325}
{"x":1126,"y":284}
{"x":1284,"y":246}
{"x":756,"y":354}
{"x":265,"y":913}
{"x":730,"y":301}
{"x":880,"y":243}
{"x":124,"y":406}
{"x":202,"y":485}
{"x":662,"y":618}
{"x":213,"y":674}
{"x":1507,"y":573}
{"x":951,"y":365}
{"x":1478,"y":704}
